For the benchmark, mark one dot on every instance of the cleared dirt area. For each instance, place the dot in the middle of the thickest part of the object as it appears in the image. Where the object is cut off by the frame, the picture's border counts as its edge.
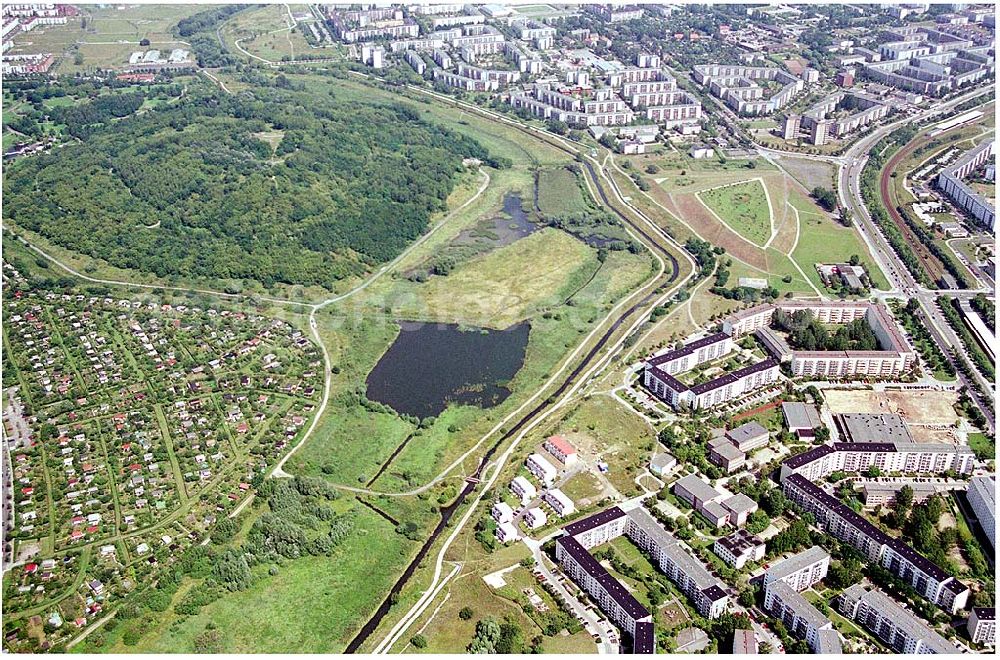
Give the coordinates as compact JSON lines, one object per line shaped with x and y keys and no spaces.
{"x":810,"y":173}
{"x":918,"y":408}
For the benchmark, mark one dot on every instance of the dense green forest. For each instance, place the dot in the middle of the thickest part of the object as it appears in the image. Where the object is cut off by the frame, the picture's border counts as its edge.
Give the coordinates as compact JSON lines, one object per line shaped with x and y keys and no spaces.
{"x":275,"y":184}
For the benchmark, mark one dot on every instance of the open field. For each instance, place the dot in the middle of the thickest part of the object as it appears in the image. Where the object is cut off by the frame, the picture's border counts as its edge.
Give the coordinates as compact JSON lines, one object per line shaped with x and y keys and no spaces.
{"x":916,"y":407}
{"x":810,"y":173}
{"x":744,"y":207}
{"x":270,"y":618}
{"x":267,"y":33}
{"x":492,"y":290}
{"x":559,"y":192}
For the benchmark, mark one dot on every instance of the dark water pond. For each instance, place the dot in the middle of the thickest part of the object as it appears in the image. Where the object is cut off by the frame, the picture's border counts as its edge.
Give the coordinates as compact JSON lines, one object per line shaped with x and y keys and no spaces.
{"x":503,"y":228}
{"x":432,"y":364}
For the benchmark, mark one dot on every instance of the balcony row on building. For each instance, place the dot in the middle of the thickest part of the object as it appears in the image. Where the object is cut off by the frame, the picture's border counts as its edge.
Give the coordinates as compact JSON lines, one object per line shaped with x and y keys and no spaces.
{"x":931,"y":74}
{"x":927,"y":578}
{"x":737,"y":86}
{"x":783,"y":583}
{"x":895,"y":357}
{"x":951,"y":182}
{"x":821,"y":128}
{"x":708,"y":594}
{"x":886,"y":619}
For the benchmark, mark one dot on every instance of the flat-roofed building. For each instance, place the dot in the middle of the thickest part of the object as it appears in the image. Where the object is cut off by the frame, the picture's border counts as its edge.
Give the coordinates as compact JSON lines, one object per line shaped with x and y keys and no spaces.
{"x":982,"y":625}
{"x":838,"y":519}
{"x":599,"y":528}
{"x":739,"y":548}
{"x":727,"y":456}
{"x":707,"y":592}
{"x":661,"y":463}
{"x":535,"y":517}
{"x":506,"y":532}
{"x":748,"y":437}
{"x":609,"y":594}
{"x":801,"y":418}
{"x":886,"y":619}
{"x":801,"y":618}
{"x":802,"y":570}
{"x":867,"y":427}
{"x":502,"y":513}
{"x":982,"y":494}
{"x":744,"y":642}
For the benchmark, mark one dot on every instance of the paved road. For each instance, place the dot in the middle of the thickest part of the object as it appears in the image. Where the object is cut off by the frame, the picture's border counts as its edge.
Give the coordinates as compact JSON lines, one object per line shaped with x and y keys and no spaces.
{"x":902,"y":283}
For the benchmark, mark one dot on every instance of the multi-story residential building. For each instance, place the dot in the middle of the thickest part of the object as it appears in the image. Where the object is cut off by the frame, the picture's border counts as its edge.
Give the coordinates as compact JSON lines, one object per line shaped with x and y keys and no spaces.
{"x":693,"y":354}
{"x":895,"y":358}
{"x":950,"y":180}
{"x":897,"y":627}
{"x":905,"y":457}
{"x":707,"y":592}
{"x":539,"y":466}
{"x":609,"y":594}
{"x":362,"y":25}
{"x":428,"y":43}
{"x":800,"y":571}
{"x":863,"y":111}
{"x":592,"y":107}
{"x":523,"y":489}
{"x":599,"y":528}
{"x":737,"y":87}
{"x":723,"y":389}
{"x":982,"y":494}
{"x":465,"y":83}
{"x":802,"y":619}
{"x":927,"y":578}
{"x":982,"y":625}
{"x":562,"y":449}
{"x":560,"y":502}
{"x":541,"y":35}
{"x":535,"y":517}
{"x":416,"y":61}
{"x":502,"y":77}
{"x":615,"y":12}
{"x":502,"y":512}
{"x":739,"y":548}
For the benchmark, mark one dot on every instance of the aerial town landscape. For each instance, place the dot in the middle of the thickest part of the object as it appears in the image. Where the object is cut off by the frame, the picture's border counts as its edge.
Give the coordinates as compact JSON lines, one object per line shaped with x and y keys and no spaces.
{"x":499,"y":328}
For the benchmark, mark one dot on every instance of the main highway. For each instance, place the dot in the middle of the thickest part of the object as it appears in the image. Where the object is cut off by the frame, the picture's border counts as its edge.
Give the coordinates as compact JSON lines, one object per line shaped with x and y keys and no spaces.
{"x":902,"y":282}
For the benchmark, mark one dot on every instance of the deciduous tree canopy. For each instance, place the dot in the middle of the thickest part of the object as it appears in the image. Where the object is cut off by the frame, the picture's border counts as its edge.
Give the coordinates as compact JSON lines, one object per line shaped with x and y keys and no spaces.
{"x":273,"y":185}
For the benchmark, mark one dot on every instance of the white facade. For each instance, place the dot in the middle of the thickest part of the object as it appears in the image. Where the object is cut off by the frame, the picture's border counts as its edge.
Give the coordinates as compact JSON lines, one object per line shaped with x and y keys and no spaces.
{"x":541,"y":468}
{"x":560,"y":503}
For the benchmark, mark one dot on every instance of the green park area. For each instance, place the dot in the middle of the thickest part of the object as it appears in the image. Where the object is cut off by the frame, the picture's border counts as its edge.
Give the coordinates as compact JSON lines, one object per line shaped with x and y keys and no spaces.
{"x":743,"y":207}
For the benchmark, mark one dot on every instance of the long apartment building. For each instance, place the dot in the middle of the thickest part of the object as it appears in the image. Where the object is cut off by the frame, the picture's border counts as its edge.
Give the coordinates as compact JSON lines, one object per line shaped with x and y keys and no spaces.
{"x":838,"y":519}
{"x":706,"y":591}
{"x":863,"y":110}
{"x":737,"y":87}
{"x":894,"y":625}
{"x":459,"y":81}
{"x":904,"y":457}
{"x":982,"y":499}
{"x":363,"y":25}
{"x":502,"y":77}
{"x":782,"y":584}
{"x":895,"y":357}
{"x":599,"y":107}
{"x":724,"y":389}
{"x":932,"y":73}
{"x":950,"y":181}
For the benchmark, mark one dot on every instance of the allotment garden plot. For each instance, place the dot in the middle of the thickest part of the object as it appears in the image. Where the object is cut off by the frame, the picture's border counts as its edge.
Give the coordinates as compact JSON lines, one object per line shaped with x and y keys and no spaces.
{"x":147,"y":423}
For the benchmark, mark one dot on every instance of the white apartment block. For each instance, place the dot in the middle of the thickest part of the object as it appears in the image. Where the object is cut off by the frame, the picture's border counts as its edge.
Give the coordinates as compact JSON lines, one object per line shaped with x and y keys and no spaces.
{"x":502,"y":513}
{"x":736,"y":86}
{"x":535,"y":518}
{"x":539,"y":466}
{"x":802,"y":619}
{"x":982,"y":625}
{"x":951,"y":183}
{"x":800,"y":571}
{"x":523,"y":489}
{"x":927,"y":578}
{"x":982,"y":494}
{"x":894,"y":625}
{"x":560,"y":503}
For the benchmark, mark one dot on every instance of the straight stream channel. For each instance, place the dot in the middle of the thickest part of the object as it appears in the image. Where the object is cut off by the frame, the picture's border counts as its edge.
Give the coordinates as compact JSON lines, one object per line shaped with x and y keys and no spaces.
{"x":448,"y":511}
